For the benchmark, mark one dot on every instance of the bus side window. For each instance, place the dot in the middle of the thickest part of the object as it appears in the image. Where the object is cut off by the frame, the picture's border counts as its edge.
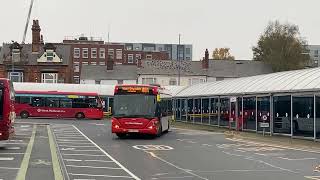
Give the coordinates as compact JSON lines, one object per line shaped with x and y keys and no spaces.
{"x":37,"y":102}
{"x":65,"y":103}
{"x":24,"y":100}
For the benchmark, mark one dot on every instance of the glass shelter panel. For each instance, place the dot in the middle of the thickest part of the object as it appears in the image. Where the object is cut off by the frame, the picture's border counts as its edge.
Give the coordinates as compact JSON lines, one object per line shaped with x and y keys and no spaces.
{"x":183,"y":109}
{"x":224,"y":111}
{"x":214,"y":109}
{"x":249,"y":113}
{"x":282,"y":114}
{"x":178,"y":109}
{"x":197,"y":111}
{"x":263,"y":113}
{"x":205,"y":111}
{"x":318,"y":117}
{"x":190,"y":110}
{"x":303,"y":113}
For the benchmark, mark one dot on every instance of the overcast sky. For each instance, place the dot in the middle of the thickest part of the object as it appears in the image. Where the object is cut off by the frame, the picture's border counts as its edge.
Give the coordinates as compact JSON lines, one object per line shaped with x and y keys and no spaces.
{"x":236,"y":24}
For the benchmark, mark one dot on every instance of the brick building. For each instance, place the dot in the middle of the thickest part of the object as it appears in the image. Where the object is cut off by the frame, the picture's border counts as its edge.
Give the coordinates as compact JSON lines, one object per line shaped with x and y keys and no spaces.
{"x":36,"y":62}
{"x":89,"y":51}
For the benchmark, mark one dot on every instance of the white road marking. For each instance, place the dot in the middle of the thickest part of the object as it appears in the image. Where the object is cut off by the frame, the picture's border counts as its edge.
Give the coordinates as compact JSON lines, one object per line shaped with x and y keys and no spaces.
{"x":259,"y":161}
{"x":68,"y":137}
{"x":11,"y":153}
{"x":301,"y":159}
{"x":24,"y":126}
{"x":70,"y":140}
{"x":74,"y":143}
{"x":270,"y":154}
{"x":73,"y":160}
{"x":93,"y":167}
{"x":80,"y":150}
{"x":22,"y":134}
{"x":82,"y":155}
{"x":13,"y":143}
{"x":12,"y":148}
{"x":96,"y":175}
{"x":96,"y":160}
{"x":192,"y":142}
{"x":109,"y":156}
{"x":15,"y":140}
{"x":9,"y":168}
{"x":75,"y":146}
{"x":177,"y":167}
{"x":6,"y":158}
{"x":153,"y":147}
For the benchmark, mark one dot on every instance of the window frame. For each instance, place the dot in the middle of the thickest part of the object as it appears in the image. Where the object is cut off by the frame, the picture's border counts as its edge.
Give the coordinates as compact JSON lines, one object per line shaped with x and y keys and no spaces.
{"x":85,"y":53}
{"x":94,"y":52}
{"x":45,"y":80}
{"x":76,"y":55}
{"x":130,"y":58}
{"x":102,"y":53}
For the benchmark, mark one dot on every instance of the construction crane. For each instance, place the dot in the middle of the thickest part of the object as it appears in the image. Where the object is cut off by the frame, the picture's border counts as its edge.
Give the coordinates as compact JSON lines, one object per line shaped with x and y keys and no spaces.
{"x":27,"y":23}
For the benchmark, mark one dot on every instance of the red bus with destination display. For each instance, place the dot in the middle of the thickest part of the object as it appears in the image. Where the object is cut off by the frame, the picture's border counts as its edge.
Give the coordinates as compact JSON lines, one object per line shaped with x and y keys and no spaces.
{"x":139,"y":109}
{"x":53,"y":104}
{"x":7,"y":114}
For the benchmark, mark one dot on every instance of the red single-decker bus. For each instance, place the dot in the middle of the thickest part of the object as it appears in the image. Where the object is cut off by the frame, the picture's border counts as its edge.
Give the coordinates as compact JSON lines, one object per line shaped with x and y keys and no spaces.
{"x":53,"y":104}
{"x":7,"y":114}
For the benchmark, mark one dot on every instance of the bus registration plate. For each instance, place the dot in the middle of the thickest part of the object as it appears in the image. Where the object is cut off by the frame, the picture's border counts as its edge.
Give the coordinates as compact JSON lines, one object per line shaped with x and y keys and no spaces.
{"x":133,"y":130}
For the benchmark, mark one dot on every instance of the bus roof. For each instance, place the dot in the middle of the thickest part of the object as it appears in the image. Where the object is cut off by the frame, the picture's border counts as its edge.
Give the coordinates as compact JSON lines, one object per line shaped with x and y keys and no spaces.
{"x":57,"y":93}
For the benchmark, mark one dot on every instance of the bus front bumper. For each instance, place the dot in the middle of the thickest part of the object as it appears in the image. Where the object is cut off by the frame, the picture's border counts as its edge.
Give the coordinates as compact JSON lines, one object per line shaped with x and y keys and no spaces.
{"x":119,"y":130}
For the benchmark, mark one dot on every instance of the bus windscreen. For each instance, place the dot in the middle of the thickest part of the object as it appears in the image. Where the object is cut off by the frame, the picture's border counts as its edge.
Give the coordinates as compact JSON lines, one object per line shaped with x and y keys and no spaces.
{"x":135,"y":105}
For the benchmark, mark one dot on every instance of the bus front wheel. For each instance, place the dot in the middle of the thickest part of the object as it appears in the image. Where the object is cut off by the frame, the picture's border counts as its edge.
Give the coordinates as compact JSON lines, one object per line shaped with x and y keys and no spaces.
{"x":24,"y":114}
{"x":121,"y":135}
{"x":80,"y":115}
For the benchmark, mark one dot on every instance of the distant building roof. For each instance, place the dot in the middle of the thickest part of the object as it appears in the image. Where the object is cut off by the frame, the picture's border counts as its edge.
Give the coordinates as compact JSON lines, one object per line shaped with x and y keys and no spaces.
{"x":119,"y":72}
{"x":63,"y":51}
{"x":217,"y":68}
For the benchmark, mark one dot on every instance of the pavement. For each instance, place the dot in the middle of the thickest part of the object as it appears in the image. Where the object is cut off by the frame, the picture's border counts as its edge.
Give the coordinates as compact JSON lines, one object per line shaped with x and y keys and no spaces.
{"x":86,"y":149}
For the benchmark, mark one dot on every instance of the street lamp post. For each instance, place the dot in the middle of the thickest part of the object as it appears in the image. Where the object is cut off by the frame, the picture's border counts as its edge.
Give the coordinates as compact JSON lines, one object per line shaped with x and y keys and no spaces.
{"x":179,"y":62}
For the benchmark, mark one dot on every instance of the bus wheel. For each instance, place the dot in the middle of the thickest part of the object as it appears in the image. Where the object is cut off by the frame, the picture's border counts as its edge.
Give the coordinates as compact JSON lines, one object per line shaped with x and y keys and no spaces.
{"x":24,"y":114}
{"x":159,"y":131}
{"x":121,"y":135}
{"x":80,"y":115}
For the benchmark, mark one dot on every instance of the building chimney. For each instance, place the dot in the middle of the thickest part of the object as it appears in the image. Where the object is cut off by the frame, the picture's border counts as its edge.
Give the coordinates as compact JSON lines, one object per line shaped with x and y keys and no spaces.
{"x":109,"y":63}
{"x":36,"y":37}
{"x":205,"y":61}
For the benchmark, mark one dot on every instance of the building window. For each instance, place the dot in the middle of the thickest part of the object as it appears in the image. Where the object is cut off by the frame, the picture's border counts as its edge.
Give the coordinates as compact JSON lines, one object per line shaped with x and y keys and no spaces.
{"x":76,"y":52}
{"x":102,"y":53}
{"x":85,"y":53}
{"x":173,"y":82}
{"x":316,"y":53}
{"x":102,"y":63}
{"x":202,"y":80}
{"x":85,"y":63}
{"x":129,"y":48}
{"x":188,"y":51}
{"x":15,"y":76}
{"x":149,"y":80}
{"x":111,"y":53}
{"x":119,"y":54}
{"x":160,"y":49}
{"x":76,"y":79}
{"x":188,"y":58}
{"x":49,"y":55}
{"x":97,"y":82}
{"x":93,"y":63}
{"x":49,"y":77}
{"x":120,"y":81}
{"x":94,"y":53}
{"x":130,"y":58}
{"x":76,"y":67}
{"x":149,"y":56}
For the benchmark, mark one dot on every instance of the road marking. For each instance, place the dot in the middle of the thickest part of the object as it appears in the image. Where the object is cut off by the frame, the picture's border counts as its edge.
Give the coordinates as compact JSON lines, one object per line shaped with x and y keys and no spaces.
{"x":96,"y":160}
{"x":153,"y":147}
{"x":109,"y":156}
{"x":93,"y":167}
{"x":82,"y":155}
{"x":54,"y":156}
{"x":24,"y":126}
{"x":41,"y":162}
{"x":12,"y":148}
{"x":70,"y":140}
{"x":270,"y":154}
{"x":96,"y":175}
{"x":9,"y":168}
{"x":74,"y":143}
{"x":6,"y":158}
{"x":177,"y":167}
{"x":9,"y":143}
{"x":12,"y":153}
{"x":75,"y":146}
{"x":313,"y":177}
{"x":301,"y":159}
{"x":26,"y":158}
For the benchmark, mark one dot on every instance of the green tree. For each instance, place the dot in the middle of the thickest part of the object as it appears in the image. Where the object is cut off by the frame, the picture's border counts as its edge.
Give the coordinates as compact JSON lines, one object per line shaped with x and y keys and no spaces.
{"x":222,"y":54}
{"x":282,"y":47}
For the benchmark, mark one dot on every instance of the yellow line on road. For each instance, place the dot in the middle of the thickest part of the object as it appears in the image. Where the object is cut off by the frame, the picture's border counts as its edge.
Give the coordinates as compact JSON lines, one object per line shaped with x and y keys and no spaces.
{"x":55,"y":161}
{"x":26,"y":158}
